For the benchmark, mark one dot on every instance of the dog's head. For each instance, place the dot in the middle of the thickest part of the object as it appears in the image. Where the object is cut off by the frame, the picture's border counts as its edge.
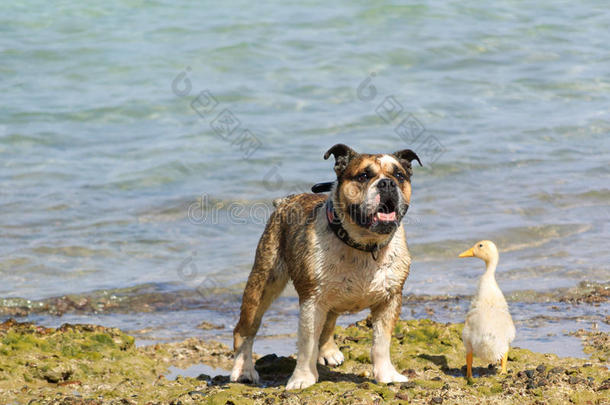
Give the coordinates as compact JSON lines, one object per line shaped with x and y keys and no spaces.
{"x":373,"y":192}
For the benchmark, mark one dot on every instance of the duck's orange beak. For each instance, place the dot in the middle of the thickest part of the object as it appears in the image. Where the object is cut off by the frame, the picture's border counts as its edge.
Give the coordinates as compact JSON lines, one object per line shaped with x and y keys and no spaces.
{"x":468,"y":253}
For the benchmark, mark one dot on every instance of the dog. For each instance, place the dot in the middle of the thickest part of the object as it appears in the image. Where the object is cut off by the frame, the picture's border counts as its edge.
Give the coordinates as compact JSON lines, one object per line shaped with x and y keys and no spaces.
{"x":343,"y":252}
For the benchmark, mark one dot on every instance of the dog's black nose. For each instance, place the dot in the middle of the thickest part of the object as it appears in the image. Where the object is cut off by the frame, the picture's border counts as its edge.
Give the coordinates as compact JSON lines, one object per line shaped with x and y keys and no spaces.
{"x":386,"y":184}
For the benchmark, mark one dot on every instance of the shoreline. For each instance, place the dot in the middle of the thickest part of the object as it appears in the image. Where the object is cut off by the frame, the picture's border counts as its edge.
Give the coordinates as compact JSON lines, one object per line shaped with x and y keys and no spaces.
{"x":89,"y":364}
{"x":546,"y":321}
{"x":161,"y":297}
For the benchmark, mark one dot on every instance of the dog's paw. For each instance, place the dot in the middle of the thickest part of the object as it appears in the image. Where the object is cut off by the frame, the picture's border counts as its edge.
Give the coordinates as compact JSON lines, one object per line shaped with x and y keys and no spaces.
{"x":300,"y":380}
{"x":388,"y":375}
{"x":244,"y":374}
{"x":331,"y":357}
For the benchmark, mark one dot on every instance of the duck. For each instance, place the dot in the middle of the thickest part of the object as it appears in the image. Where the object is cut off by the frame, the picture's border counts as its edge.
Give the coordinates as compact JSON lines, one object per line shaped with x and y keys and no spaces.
{"x":488,"y":328}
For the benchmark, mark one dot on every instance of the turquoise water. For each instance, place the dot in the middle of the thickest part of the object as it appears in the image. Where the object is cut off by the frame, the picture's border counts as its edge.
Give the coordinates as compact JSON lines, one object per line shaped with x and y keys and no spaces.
{"x":108,"y":134}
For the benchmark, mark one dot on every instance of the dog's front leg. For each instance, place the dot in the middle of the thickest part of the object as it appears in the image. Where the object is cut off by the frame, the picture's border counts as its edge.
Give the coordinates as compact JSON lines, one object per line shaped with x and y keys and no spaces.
{"x":311,"y":320}
{"x":384,"y":317}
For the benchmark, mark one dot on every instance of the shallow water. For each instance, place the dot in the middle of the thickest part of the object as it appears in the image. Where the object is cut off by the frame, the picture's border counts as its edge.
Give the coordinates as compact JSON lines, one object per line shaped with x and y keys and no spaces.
{"x":543,"y":324}
{"x":109,"y":143}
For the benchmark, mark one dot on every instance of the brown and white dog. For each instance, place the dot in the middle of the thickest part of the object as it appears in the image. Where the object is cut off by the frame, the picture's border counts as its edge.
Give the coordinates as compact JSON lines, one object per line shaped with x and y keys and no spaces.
{"x":344,"y":253}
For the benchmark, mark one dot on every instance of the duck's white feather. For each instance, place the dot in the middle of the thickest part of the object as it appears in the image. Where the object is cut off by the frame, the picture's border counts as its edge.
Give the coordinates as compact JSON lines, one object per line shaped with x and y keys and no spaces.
{"x":489,"y":329}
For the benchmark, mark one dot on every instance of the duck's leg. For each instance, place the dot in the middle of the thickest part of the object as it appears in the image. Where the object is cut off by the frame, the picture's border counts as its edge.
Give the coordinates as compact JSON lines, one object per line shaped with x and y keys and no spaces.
{"x":504,"y":360}
{"x":469,"y":365}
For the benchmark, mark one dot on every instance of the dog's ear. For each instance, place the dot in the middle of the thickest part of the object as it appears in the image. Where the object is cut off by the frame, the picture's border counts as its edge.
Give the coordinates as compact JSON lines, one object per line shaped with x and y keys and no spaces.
{"x":343,"y":154}
{"x":405,"y":157}
{"x":408,"y":155}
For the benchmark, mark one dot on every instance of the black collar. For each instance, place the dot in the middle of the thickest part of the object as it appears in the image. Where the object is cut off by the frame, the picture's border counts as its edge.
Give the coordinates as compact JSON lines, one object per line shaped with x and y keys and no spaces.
{"x":334,"y":222}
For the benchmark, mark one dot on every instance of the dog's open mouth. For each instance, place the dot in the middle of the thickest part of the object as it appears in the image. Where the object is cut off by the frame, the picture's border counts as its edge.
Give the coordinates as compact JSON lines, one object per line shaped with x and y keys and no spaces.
{"x":385,"y":213}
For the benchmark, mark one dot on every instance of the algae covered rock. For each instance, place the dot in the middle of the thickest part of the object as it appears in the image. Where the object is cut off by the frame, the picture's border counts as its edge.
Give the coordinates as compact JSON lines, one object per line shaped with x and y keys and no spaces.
{"x":97,"y":365}
{"x":34,"y":358}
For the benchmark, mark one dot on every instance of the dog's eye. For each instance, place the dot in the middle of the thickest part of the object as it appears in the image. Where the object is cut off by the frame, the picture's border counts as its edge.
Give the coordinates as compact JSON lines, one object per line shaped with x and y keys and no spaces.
{"x":362,"y":177}
{"x":399,"y":176}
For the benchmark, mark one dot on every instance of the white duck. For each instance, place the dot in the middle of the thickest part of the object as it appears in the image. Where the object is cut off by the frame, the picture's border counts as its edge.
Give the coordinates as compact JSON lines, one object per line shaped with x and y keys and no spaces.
{"x":488,"y":330}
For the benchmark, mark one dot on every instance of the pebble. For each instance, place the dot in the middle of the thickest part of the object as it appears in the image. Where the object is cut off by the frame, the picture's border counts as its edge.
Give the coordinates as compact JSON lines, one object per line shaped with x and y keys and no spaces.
{"x":575,"y":380}
{"x":541,"y":368}
{"x":220,"y":379}
{"x":209,"y":326}
{"x":403,"y":396}
{"x":407,"y":385}
{"x":437,"y":400}
{"x":409,"y":373}
{"x":529,"y":373}
{"x":557,"y":370}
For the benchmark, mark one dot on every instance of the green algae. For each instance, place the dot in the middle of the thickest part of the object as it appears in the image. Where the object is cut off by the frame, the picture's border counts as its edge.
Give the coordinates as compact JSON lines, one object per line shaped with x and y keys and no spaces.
{"x":92,"y":364}
{"x":44,"y":360}
{"x":595,"y":343}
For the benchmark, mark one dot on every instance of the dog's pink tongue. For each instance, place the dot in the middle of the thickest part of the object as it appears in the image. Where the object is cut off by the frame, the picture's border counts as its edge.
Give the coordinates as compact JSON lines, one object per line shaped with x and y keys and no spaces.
{"x":386,"y":217}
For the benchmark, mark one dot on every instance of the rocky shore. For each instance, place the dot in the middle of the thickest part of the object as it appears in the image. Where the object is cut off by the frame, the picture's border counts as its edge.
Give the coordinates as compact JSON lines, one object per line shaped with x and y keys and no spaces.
{"x":149,"y":298}
{"x":88,"y":364}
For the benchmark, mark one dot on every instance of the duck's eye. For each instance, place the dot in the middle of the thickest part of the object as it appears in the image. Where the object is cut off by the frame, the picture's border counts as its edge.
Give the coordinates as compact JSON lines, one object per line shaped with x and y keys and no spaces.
{"x":481,"y":245}
{"x":362,"y":177}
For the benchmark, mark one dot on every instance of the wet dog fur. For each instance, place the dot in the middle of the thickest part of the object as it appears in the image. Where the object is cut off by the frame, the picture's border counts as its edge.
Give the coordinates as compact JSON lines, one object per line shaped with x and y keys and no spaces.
{"x":370,"y":196}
